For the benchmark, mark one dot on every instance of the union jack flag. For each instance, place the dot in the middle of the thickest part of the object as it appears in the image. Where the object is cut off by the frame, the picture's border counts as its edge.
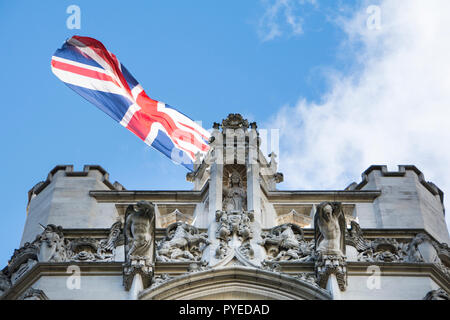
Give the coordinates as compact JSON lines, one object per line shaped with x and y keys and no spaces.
{"x":88,"y":68}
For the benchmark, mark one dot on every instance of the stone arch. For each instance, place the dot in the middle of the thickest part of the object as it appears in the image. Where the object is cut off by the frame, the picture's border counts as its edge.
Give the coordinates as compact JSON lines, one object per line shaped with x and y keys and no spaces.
{"x":235,"y":283}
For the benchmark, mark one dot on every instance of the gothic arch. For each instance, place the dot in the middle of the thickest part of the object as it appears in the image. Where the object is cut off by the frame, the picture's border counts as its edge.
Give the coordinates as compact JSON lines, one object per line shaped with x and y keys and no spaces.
{"x":234,"y":283}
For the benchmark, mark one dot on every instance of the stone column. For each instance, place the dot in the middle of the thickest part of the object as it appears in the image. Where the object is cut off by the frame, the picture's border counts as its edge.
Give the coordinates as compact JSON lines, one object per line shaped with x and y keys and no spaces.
{"x":253,"y":187}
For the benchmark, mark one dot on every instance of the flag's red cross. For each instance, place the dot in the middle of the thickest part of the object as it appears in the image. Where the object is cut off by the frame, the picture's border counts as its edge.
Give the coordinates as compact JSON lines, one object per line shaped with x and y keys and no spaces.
{"x":141,"y":122}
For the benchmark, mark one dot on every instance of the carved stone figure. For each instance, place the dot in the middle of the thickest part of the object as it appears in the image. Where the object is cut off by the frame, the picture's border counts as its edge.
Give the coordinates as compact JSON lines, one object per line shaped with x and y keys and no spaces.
{"x":330,"y":227}
{"x":286,"y":242}
{"x":138,"y":230}
{"x":183,"y":242}
{"x":234,"y":195}
{"x":139,"y":243}
{"x":233,"y":227}
{"x":329,"y":238}
{"x":51,"y":244}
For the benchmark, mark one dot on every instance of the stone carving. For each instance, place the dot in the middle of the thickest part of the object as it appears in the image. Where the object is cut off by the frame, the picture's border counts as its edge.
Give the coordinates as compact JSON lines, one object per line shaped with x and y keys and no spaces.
{"x":273,"y":267}
{"x":22,"y":261}
{"x":329,"y":243}
{"x":392,"y":250}
{"x":115,"y":238}
{"x":384,"y":250}
{"x":438,"y":294}
{"x":331,"y":264}
{"x":91,"y":249}
{"x":51,"y":244}
{"x":234,"y":195}
{"x":329,"y":229}
{"x":233,"y":226}
{"x":234,"y":121}
{"x":160,"y":279}
{"x":33,"y":294}
{"x":197,"y":267}
{"x":307,"y":277}
{"x":286,"y":242}
{"x":139,"y":243}
{"x":5,"y":283}
{"x":355,"y":237}
{"x":443,"y":252}
{"x":183,"y":242}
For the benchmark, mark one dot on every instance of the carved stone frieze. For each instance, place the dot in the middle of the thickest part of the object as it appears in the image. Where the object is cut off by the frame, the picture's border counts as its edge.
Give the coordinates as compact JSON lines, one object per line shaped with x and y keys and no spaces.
{"x":286,"y":242}
{"x":385,"y":250}
{"x":183,"y":242}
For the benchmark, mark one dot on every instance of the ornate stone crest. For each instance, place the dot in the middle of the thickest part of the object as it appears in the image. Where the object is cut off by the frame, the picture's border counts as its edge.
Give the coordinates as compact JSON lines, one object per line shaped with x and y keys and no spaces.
{"x":235,"y":121}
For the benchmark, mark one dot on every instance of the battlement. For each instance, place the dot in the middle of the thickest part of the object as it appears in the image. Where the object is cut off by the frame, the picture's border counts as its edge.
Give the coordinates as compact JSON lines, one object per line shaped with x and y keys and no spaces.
{"x":402,"y":170}
{"x":63,"y":199}
{"x":67,"y":171}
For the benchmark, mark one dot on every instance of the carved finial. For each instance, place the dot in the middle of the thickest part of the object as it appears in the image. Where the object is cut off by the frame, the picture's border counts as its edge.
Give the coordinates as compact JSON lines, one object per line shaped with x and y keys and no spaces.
{"x":234,"y":121}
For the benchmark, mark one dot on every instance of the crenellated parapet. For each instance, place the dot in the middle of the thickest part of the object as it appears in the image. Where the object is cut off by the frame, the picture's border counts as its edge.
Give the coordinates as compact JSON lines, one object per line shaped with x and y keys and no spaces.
{"x":67,"y":170}
{"x":407,"y":200}
{"x":63,"y":199}
{"x":402,"y":170}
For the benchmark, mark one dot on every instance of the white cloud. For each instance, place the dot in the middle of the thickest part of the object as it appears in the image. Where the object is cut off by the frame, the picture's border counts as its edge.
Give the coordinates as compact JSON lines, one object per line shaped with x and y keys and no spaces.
{"x":393,"y":109}
{"x":280,"y":17}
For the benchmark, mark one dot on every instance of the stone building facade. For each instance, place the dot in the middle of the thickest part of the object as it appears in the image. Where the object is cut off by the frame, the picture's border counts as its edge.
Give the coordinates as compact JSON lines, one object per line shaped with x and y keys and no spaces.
{"x":233,"y":236}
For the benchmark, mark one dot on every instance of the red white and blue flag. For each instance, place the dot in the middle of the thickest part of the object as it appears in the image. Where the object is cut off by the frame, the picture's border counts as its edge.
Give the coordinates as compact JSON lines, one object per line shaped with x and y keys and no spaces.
{"x":88,"y":68}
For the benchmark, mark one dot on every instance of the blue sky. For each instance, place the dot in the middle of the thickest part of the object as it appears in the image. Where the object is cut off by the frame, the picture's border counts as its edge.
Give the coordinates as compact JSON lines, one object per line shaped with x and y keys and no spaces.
{"x":206,"y":58}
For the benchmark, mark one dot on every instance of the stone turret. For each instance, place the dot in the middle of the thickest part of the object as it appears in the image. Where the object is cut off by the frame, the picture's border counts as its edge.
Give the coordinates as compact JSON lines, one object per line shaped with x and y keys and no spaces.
{"x":406,"y":201}
{"x":63,"y":199}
